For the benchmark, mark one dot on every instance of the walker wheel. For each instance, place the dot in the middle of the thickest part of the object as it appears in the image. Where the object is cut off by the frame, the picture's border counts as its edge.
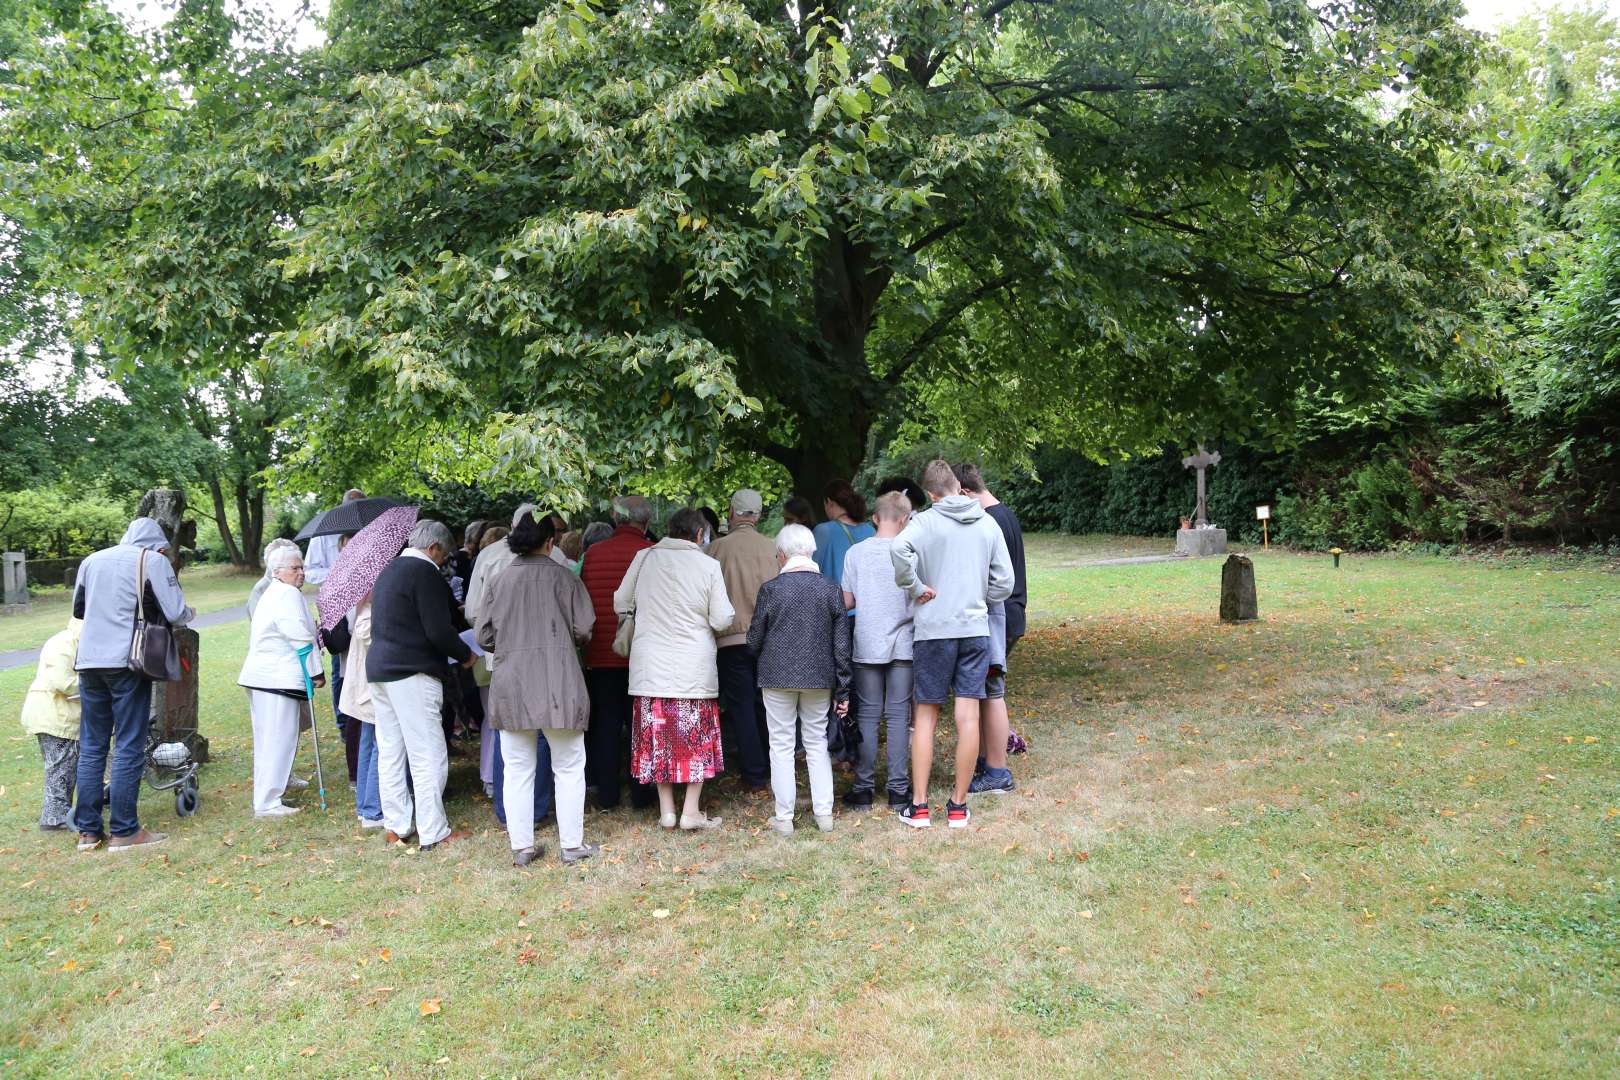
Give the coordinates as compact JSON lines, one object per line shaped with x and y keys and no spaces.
{"x":186,"y":799}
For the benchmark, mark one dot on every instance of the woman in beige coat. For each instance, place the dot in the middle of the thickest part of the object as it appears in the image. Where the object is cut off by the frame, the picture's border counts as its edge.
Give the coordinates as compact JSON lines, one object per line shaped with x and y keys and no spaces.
{"x":535,"y":614}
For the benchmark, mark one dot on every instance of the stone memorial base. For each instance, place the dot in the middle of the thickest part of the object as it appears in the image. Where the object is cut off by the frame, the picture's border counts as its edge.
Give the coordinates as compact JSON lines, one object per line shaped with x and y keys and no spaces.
{"x":1197,"y":543}
{"x":1239,"y":602}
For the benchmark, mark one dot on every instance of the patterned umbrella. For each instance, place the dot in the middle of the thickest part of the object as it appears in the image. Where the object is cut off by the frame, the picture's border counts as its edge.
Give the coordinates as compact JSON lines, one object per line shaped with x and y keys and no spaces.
{"x":348,"y":517}
{"x":361,"y":561}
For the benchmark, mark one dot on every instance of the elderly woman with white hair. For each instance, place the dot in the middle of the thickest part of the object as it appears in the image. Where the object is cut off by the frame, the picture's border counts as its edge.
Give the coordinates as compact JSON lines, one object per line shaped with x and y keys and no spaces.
{"x":413,"y":640}
{"x":259,"y":587}
{"x":281,"y":655}
{"x":800,"y":632}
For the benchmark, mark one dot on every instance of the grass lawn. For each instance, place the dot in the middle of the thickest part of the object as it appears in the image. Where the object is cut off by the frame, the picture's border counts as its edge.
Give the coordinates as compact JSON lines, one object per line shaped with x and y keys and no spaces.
{"x":207,"y":588}
{"x":1374,"y":834}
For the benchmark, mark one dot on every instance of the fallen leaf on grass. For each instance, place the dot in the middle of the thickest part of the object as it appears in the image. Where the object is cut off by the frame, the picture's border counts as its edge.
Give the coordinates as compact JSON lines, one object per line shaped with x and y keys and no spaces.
{"x":430,"y":1006}
{"x":1086,"y":914}
{"x":214,"y":1006}
{"x":70,"y":965}
{"x":660,"y":913}
{"x":385,"y":955}
{"x":308,"y":1051}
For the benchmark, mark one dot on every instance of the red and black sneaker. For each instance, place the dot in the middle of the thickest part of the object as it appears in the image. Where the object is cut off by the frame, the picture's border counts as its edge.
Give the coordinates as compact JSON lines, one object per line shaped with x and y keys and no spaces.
{"x":957,"y":815}
{"x":915,"y":815}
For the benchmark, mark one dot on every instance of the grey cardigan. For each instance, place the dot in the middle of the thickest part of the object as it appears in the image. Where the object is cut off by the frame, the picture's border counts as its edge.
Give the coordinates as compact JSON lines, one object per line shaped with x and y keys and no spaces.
{"x":800,"y":632}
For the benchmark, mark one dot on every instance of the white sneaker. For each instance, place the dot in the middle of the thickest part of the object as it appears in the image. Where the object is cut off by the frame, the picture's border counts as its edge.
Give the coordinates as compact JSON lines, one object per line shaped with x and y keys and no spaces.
{"x":364,"y":824}
{"x":699,"y":823}
{"x":279,"y":810}
{"x":780,"y":826}
{"x":824,"y":822}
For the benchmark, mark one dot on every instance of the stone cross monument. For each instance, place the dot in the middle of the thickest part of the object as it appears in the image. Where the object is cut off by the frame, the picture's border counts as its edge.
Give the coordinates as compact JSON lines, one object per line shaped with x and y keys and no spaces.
{"x":1201,"y":539}
{"x":1201,"y":461}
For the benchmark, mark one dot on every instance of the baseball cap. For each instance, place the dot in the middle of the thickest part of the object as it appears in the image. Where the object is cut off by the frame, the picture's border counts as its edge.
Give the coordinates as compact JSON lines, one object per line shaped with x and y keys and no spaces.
{"x":747,"y":501}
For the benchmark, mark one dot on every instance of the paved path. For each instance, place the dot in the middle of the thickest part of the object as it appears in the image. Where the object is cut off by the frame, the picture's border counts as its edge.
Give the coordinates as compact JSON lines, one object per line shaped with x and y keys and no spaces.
{"x":1128,"y":562}
{"x":25,"y":657}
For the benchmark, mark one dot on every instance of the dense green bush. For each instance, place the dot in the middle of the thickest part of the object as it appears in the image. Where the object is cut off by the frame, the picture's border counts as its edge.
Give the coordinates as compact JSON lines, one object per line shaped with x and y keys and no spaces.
{"x":52,"y":522}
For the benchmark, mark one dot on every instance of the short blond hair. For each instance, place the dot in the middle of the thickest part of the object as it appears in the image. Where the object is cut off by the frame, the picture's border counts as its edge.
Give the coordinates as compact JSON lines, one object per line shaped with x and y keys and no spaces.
{"x":892,"y":506}
{"x":940,"y":479}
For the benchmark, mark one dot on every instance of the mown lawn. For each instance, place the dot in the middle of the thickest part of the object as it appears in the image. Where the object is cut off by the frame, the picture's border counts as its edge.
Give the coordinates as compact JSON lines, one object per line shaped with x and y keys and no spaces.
{"x":1374,"y":834}
{"x":207,"y":588}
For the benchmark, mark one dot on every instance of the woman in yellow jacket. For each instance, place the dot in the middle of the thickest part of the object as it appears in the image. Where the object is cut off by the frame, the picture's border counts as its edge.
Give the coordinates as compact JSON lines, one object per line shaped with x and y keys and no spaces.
{"x":51,"y":711}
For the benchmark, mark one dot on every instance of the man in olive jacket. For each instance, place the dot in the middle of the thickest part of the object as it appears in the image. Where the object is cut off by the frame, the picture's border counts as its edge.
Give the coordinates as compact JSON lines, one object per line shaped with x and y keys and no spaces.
{"x":747,"y":560}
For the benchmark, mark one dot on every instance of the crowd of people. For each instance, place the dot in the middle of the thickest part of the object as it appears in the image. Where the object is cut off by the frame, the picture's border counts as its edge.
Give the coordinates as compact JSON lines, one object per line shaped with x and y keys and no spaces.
{"x":596,"y":661}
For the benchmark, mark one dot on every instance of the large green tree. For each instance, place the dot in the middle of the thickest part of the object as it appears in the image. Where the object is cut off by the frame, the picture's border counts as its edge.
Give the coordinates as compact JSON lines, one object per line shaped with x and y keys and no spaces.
{"x":163,"y":171}
{"x":642,"y":232}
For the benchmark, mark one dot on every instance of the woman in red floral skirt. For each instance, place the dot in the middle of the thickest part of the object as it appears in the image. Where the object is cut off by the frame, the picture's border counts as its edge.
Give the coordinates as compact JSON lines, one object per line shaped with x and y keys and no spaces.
{"x":677,"y":597}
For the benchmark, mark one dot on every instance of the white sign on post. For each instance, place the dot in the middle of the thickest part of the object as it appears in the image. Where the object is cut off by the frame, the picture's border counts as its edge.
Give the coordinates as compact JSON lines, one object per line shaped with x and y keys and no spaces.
{"x":1262,"y":513}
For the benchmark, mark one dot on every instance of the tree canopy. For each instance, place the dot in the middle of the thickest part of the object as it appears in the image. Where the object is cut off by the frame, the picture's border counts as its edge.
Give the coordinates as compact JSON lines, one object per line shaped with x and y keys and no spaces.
{"x":568,"y":244}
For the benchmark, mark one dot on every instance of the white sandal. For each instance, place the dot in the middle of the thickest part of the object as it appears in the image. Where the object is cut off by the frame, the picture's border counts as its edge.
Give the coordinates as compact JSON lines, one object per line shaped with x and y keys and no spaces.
{"x":666,"y":821}
{"x":701,"y":822}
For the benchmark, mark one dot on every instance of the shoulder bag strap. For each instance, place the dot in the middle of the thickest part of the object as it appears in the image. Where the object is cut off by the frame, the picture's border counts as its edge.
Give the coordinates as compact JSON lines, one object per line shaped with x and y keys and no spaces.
{"x":140,"y":588}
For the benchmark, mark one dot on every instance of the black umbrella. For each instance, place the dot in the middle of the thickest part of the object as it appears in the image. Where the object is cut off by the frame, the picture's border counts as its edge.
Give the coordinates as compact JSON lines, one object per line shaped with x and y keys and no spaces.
{"x":349,"y":517}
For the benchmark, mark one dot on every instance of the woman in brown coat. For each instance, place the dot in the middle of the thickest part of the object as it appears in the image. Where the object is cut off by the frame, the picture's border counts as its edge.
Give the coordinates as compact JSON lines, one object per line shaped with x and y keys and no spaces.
{"x":534,"y":617}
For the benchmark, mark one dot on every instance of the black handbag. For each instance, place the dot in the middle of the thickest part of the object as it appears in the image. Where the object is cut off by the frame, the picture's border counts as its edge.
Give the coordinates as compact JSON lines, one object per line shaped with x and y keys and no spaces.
{"x":153,"y":652}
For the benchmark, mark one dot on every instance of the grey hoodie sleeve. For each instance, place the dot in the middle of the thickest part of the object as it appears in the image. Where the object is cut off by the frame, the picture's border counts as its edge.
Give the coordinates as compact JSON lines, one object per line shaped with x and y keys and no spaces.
{"x":1001,"y":569}
{"x":166,"y":587}
{"x":904,"y":554}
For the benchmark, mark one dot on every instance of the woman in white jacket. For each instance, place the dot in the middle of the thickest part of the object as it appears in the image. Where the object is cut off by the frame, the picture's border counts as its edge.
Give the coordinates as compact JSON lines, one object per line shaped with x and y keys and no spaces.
{"x":273,"y":674}
{"x":679,"y":600}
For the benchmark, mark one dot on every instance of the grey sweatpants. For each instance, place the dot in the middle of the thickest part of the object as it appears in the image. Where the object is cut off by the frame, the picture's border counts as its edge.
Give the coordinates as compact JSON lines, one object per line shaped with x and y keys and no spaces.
{"x":884,"y":691}
{"x":61,"y":758}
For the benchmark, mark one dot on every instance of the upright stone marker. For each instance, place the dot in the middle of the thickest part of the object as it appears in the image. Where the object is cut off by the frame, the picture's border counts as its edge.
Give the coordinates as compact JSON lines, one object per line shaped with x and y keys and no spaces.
{"x":14,"y":582}
{"x":1201,"y":539}
{"x":174,"y":704}
{"x":1239,"y":603}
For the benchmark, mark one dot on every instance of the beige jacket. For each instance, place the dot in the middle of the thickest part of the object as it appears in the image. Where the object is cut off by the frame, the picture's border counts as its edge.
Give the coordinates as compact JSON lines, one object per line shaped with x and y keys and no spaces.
{"x":679,"y":599}
{"x":747,"y":560}
{"x":535,"y":616}
{"x":356,"y":698}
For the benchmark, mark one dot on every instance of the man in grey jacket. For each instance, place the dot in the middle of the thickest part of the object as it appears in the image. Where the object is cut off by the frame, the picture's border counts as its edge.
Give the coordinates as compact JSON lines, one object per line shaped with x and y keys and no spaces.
{"x":953,"y":561}
{"x":115,"y":703}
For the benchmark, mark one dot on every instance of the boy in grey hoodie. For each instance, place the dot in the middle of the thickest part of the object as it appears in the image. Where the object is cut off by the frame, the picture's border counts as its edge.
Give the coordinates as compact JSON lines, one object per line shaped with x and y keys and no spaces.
{"x":953,"y":561}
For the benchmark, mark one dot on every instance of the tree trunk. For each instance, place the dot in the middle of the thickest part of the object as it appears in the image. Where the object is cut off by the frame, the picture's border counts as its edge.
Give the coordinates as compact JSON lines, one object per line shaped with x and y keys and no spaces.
{"x":223,"y":521}
{"x":250,"y":516}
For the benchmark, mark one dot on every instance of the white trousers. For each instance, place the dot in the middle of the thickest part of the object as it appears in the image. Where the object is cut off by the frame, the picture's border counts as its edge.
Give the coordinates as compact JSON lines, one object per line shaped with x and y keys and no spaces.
{"x":410,"y":736}
{"x":520,"y":760}
{"x":806,"y":709}
{"x":275,"y":744}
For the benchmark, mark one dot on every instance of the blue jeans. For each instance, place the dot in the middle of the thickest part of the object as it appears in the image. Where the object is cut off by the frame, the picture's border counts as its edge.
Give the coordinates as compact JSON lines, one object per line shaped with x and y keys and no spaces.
{"x":115,"y":714}
{"x":367,"y":795}
{"x":544,"y":783}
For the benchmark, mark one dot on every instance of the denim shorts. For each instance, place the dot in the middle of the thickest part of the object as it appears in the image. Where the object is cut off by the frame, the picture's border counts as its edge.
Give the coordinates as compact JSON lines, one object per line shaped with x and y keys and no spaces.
{"x":943,"y":665}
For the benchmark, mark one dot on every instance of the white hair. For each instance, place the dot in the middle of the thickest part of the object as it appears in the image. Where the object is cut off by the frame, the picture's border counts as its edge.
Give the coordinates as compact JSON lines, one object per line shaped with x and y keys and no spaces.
{"x":353,"y":494}
{"x":280,"y":554}
{"x":795,"y":540}
{"x":636,"y":513}
{"x":428,"y":533}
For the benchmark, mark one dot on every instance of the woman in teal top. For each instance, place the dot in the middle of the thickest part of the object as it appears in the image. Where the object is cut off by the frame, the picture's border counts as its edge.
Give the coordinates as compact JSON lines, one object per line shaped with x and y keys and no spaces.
{"x":846,"y":526}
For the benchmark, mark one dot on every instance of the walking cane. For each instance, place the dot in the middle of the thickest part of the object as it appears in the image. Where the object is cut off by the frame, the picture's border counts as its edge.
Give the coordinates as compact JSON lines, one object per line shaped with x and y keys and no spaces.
{"x":314,"y":722}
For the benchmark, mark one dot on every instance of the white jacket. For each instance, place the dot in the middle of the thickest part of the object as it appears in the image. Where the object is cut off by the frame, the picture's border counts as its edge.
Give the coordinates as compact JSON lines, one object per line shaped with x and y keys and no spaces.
{"x":281,"y":626}
{"x":679,"y":598}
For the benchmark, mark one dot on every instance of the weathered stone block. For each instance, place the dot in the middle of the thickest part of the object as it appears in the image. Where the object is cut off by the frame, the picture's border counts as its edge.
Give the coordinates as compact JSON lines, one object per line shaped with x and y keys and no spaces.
{"x":1200,"y":542}
{"x":1239,"y":602}
{"x":174,"y":704}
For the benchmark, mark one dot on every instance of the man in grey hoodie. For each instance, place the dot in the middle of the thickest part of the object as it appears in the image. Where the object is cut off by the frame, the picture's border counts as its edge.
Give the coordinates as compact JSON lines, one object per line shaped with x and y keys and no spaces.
{"x":115,"y":703}
{"x":953,"y":561}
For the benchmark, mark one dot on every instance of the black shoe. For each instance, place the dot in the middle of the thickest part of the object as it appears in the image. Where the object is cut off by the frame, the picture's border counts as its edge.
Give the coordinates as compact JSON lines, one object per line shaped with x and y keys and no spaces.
{"x":858,"y":800}
{"x":897,"y":802}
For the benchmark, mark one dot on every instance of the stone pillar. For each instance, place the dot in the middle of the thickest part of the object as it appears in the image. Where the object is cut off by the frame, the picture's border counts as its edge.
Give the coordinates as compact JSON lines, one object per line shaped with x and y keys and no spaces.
{"x":1239,"y":602}
{"x":14,"y":582}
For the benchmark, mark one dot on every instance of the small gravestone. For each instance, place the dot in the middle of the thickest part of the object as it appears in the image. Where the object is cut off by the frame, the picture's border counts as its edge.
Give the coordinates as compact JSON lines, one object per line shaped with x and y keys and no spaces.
{"x":1238,"y":600}
{"x":14,"y":582}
